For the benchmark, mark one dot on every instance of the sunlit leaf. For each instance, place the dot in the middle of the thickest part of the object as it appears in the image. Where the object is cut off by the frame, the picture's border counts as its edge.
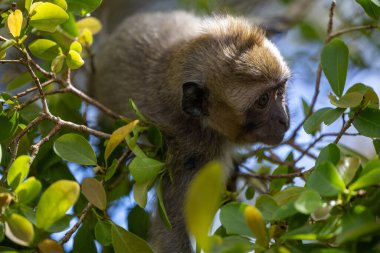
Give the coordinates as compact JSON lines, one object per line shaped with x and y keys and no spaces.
{"x":94,"y":192}
{"x":348,"y":100}
{"x":256,"y":223}
{"x":118,"y":136}
{"x":76,"y":46}
{"x":326,"y":180}
{"x":232,"y":218}
{"x":348,"y":168}
{"x":308,"y":202}
{"x":91,"y":23}
{"x":126,"y":242}
{"x":74,"y":60}
{"x":18,"y":171}
{"x":75,"y":148}
{"x":202,"y":201}
{"x":144,"y":169}
{"x":368,"y":179}
{"x":85,"y":38}
{"x":334,"y":61}
{"x":370,"y":97}
{"x":368,"y":123}
{"x":60,"y":3}
{"x":57,"y":63}
{"x":47,"y":16}
{"x":28,"y":190}
{"x":19,"y":229}
{"x":8,"y":125}
{"x":50,"y":246}
{"x":14,"y":23}
{"x":56,"y":200}
{"x":45,"y":49}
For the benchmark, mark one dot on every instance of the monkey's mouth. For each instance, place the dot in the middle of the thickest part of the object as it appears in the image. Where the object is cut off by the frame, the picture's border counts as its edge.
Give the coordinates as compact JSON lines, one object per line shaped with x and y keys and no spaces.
{"x":261,"y":136}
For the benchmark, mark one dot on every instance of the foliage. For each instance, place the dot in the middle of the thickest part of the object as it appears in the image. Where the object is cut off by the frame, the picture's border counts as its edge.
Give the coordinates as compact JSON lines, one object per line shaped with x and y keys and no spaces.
{"x":333,"y":207}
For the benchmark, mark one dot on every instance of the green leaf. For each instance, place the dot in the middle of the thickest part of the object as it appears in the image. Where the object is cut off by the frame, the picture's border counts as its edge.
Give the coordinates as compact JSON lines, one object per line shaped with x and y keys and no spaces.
{"x":45,"y":49}
{"x":94,"y":192}
{"x":103,"y":232}
{"x":8,"y":125}
{"x":334,"y":61}
{"x":82,"y":7}
{"x":232,"y":218}
{"x":161,"y":207}
{"x":56,"y":200}
{"x":27,"y":5}
{"x":288,"y":195}
{"x":145,"y":169}
{"x":371,"y":8}
{"x":84,"y":240}
{"x":277,"y":184}
{"x":60,"y":3}
{"x":118,"y":136}
{"x":28,"y":190}
{"x":139,"y":222}
{"x":202,"y":202}
{"x":47,"y":16}
{"x":313,"y":123}
{"x":75,"y":148}
{"x":308,"y":202}
{"x":111,"y":170}
{"x":126,"y":242}
{"x":376,"y":145}
{"x":74,"y":60}
{"x":140,"y":193}
{"x":250,"y":193}
{"x":18,"y":171}
{"x":377,"y":2}
{"x":370,"y":97}
{"x":368,"y":123}
{"x":57,"y":63}
{"x":19,"y":230}
{"x":70,"y":26}
{"x":348,"y":168}
{"x":1,"y":153}
{"x":76,"y":46}
{"x":19,"y":81}
{"x":329,"y":153}
{"x":326,"y":180}
{"x":352,"y":99}
{"x":332,"y":115}
{"x":267,"y":206}
{"x":368,"y":179}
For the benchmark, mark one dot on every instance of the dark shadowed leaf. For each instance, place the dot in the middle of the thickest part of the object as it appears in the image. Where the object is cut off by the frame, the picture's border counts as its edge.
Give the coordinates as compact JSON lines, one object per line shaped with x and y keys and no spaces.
{"x":139,"y":222}
{"x":126,"y":242}
{"x":103,"y":232}
{"x":82,"y":7}
{"x":368,"y":123}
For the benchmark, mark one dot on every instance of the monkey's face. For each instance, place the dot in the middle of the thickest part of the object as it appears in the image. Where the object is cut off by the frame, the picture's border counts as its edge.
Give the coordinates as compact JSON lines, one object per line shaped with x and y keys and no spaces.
{"x":240,"y":93}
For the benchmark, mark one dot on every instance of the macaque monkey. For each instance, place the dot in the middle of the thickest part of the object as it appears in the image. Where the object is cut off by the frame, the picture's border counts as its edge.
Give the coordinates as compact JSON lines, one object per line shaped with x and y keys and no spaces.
{"x":209,"y":84}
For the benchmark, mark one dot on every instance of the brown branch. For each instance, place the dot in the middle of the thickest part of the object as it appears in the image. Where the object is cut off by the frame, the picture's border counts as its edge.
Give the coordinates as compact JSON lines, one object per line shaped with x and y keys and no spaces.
{"x":353,"y":29}
{"x":11,"y":61}
{"x":27,"y":91}
{"x":72,"y":230}
{"x":271,"y":177}
{"x":319,"y":72}
{"x":34,"y":99}
{"x":36,"y":147}
{"x":346,"y":126}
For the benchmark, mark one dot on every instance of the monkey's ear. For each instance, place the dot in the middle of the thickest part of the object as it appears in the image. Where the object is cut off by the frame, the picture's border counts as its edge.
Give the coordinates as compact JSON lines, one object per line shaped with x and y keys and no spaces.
{"x":195,"y":99}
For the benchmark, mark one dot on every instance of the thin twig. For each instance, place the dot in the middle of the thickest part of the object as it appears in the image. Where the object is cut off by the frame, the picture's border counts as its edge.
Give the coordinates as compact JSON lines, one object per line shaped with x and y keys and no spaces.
{"x":353,"y":29}
{"x":11,"y":61}
{"x":72,"y":230}
{"x":36,"y":147}
{"x":271,"y":177}
{"x":346,"y":126}
{"x":27,"y":91}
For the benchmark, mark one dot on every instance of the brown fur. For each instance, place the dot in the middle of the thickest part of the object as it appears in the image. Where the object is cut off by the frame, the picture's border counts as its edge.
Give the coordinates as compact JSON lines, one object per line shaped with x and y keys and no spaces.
{"x":151,"y":56}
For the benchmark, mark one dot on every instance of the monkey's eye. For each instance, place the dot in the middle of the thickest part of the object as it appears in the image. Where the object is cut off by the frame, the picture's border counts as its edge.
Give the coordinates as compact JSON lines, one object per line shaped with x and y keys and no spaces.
{"x":263,"y":100}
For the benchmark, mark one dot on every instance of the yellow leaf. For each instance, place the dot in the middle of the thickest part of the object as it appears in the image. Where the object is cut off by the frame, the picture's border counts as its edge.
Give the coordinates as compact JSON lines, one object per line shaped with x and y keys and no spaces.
{"x":14,"y":23}
{"x":91,"y":23}
{"x":50,"y":246}
{"x":202,"y":201}
{"x":19,"y":229}
{"x":256,"y":223}
{"x":85,"y":38}
{"x":118,"y":136}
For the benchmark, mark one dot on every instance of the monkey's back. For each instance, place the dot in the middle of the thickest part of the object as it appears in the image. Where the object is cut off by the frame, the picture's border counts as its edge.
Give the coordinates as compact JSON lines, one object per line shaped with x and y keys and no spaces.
{"x":133,"y":61}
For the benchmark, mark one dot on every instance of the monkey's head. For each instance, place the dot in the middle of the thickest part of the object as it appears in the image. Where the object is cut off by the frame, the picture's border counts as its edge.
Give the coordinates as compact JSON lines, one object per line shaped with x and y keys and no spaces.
{"x":234,"y":81}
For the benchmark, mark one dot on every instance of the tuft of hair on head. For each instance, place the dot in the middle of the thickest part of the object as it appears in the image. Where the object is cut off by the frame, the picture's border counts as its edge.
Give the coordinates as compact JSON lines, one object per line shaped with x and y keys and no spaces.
{"x":233,"y":29}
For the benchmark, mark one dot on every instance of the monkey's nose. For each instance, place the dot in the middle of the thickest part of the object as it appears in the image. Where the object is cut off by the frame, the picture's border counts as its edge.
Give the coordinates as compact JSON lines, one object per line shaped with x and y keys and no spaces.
{"x":284,"y":123}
